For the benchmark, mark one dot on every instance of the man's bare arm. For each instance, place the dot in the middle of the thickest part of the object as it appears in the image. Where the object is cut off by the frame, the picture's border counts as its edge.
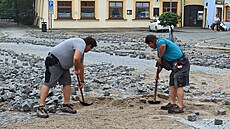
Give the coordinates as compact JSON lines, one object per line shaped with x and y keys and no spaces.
{"x":77,"y":61}
{"x":162,"y":50}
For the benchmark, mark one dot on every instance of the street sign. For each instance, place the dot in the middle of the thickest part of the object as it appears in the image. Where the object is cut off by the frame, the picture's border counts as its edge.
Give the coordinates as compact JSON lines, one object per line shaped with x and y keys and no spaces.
{"x":51,"y":4}
{"x":51,"y":12}
{"x":51,"y":7}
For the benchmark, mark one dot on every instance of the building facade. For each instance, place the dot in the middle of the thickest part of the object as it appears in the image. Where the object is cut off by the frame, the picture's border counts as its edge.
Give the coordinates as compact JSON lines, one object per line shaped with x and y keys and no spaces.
{"x":213,"y":7}
{"x":114,"y":13}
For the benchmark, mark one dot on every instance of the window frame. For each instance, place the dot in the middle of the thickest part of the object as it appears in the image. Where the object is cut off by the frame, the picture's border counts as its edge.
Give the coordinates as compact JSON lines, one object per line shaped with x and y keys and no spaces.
{"x":167,"y":8}
{"x":219,"y":1}
{"x":111,"y":7}
{"x":64,"y":7}
{"x":156,"y":12}
{"x":87,"y":7}
{"x":136,"y":8}
{"x":227,"y":14}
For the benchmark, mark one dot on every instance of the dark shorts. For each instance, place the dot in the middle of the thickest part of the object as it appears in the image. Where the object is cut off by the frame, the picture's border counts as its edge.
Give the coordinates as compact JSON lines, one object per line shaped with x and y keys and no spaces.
{"x":180,"y":77}
{"x":54,"y":74}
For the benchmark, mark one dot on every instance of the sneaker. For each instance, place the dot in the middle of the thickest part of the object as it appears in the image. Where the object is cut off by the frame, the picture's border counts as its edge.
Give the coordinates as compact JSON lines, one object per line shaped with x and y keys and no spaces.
{"x":168,"y":106}
{"x":68,"y":108}
{"x":176,"y":110}
{"x":42,"y":112}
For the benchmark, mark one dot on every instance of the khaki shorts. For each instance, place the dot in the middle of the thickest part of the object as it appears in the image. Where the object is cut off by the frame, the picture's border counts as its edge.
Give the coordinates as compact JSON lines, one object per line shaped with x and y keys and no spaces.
{"x":54,"y":74}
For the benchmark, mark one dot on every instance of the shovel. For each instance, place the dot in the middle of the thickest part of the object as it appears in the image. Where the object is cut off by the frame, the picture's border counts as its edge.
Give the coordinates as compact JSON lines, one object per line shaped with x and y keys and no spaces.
{"x":154,"y":101}
{"x":82,"y":96}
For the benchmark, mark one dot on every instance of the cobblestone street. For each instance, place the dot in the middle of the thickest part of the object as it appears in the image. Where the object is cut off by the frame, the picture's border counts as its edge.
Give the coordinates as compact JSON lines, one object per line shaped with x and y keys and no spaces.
{"x":119,"y":74}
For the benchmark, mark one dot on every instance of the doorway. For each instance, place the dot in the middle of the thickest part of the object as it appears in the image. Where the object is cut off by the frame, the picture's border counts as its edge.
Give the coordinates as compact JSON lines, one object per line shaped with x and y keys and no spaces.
{"x":219,"y":12}
{"x":193,"y":16}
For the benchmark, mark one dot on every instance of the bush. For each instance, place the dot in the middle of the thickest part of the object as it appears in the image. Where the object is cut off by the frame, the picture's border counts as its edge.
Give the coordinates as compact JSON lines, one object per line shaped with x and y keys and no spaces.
{"x":169,"y":18}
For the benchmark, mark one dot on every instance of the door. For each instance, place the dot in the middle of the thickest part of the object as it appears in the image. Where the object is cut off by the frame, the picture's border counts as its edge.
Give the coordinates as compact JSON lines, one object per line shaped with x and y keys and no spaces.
{"x":219,"y":12}
{"x":193,"y":16}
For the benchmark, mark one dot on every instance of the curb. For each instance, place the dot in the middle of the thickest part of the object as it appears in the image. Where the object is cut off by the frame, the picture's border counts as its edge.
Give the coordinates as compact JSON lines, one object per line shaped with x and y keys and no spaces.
{"x":211,"y":47}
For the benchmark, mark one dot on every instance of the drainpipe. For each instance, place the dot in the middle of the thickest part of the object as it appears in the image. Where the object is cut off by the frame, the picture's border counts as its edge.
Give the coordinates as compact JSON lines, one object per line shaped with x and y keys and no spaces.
{"x":223,"y":11}
{"x":181,"y":12}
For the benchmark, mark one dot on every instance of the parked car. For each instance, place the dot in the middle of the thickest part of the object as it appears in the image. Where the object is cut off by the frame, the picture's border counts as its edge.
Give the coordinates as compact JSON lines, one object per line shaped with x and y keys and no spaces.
{"x":144,"y":14}
{"x":156,"y":26}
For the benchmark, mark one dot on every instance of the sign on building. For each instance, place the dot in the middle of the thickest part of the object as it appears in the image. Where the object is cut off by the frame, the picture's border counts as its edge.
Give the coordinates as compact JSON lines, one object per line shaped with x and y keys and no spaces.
{"x":51,"y":7}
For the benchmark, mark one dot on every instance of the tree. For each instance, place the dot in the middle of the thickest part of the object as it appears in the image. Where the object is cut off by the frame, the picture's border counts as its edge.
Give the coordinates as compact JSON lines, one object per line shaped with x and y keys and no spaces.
{"x":22,"y":11}
{"x":169,"y":19}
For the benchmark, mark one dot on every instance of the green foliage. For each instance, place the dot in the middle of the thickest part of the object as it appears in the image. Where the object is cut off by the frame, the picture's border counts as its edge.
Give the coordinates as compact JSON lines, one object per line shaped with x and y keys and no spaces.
{"x":6,"y":9}
{"x":22,"y":11}
{"x":169,"y":18}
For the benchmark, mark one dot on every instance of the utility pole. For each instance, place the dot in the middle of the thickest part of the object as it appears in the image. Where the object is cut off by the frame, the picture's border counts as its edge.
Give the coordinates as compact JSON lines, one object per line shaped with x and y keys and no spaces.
{"x":51,"y":12}
{"x":170,"y":5}
{"x":170,"y":30}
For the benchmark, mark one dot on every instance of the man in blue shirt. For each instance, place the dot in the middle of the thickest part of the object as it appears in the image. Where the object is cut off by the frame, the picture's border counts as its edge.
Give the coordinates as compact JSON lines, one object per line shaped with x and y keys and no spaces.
{"x":170,"y":57}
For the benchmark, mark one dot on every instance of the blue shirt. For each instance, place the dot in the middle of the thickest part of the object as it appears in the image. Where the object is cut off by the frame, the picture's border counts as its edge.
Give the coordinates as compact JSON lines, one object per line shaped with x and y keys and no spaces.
{"x":172,"y":52}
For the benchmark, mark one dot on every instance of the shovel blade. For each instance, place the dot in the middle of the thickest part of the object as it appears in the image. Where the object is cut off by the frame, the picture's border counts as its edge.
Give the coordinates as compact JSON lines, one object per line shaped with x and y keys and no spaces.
{"x":154,"y":102}
{"x":85,"y":104}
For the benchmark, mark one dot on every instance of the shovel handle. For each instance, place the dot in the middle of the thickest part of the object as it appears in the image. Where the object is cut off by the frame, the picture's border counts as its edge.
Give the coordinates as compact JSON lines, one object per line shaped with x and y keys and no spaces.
{"x":155,"y":91}
{"x":82,"y":96}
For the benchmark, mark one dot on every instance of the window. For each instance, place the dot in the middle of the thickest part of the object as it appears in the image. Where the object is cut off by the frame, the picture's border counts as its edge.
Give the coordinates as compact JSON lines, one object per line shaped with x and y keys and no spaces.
{"x":64,"y":10}
{"x":142,"y":10}
{"x":155,"y":12}
{"x":219,"y":1}
{"x":166,"y":7}
{"x":87,"y":10}
{"x":228,"y":14}
{"x":115,"y":10}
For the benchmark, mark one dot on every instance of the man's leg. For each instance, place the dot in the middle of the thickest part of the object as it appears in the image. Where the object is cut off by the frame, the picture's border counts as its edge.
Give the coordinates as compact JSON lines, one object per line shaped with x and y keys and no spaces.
{"x":172,"y":96}
{"x":218,"y":27}
{"x":173,"y":92}
{"x":179,"y":107}
{"x":212,"y":26}
{"x":180,"y":94}
{"x":41,"y":111}
{"x":66,"y":93}
{"x":67,"y":107}
{"x":43,"y":94}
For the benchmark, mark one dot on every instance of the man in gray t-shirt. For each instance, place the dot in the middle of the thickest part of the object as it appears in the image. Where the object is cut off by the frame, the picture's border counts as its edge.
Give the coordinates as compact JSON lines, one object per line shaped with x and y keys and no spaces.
{"x":63,"y":56}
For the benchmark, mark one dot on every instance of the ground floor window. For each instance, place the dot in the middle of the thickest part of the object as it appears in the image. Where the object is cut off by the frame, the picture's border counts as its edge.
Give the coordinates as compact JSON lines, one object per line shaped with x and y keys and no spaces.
{"x":156,"y":12}
{"x":87,"y":9}
{"x":166,"y":7}
{"x":64,"y":9}
{"x":228,"y":14}
{"x":142,"y":10}
{"x":115,"y":10}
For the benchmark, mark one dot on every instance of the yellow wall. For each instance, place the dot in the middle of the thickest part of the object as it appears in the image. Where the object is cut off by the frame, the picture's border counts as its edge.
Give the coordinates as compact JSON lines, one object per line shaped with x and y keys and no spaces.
{"x":193,"y":2}
{"x":101,"y":14}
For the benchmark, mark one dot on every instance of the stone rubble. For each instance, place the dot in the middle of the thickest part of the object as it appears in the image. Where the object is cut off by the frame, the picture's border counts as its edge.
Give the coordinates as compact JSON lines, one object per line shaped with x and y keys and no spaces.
{"x":21,"y":75}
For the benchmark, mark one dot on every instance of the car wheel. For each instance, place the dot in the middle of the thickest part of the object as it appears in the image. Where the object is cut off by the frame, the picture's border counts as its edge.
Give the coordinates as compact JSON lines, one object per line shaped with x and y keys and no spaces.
{"x":156,"y":28}
{"x":150,"y":29}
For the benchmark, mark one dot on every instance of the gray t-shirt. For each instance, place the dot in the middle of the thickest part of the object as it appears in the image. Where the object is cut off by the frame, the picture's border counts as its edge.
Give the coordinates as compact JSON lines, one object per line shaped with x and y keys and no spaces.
{"x":65,"y":51}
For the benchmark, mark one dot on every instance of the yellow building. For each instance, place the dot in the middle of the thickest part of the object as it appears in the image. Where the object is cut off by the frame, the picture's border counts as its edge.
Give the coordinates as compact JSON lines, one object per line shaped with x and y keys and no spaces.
{"x":113,"y":13}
